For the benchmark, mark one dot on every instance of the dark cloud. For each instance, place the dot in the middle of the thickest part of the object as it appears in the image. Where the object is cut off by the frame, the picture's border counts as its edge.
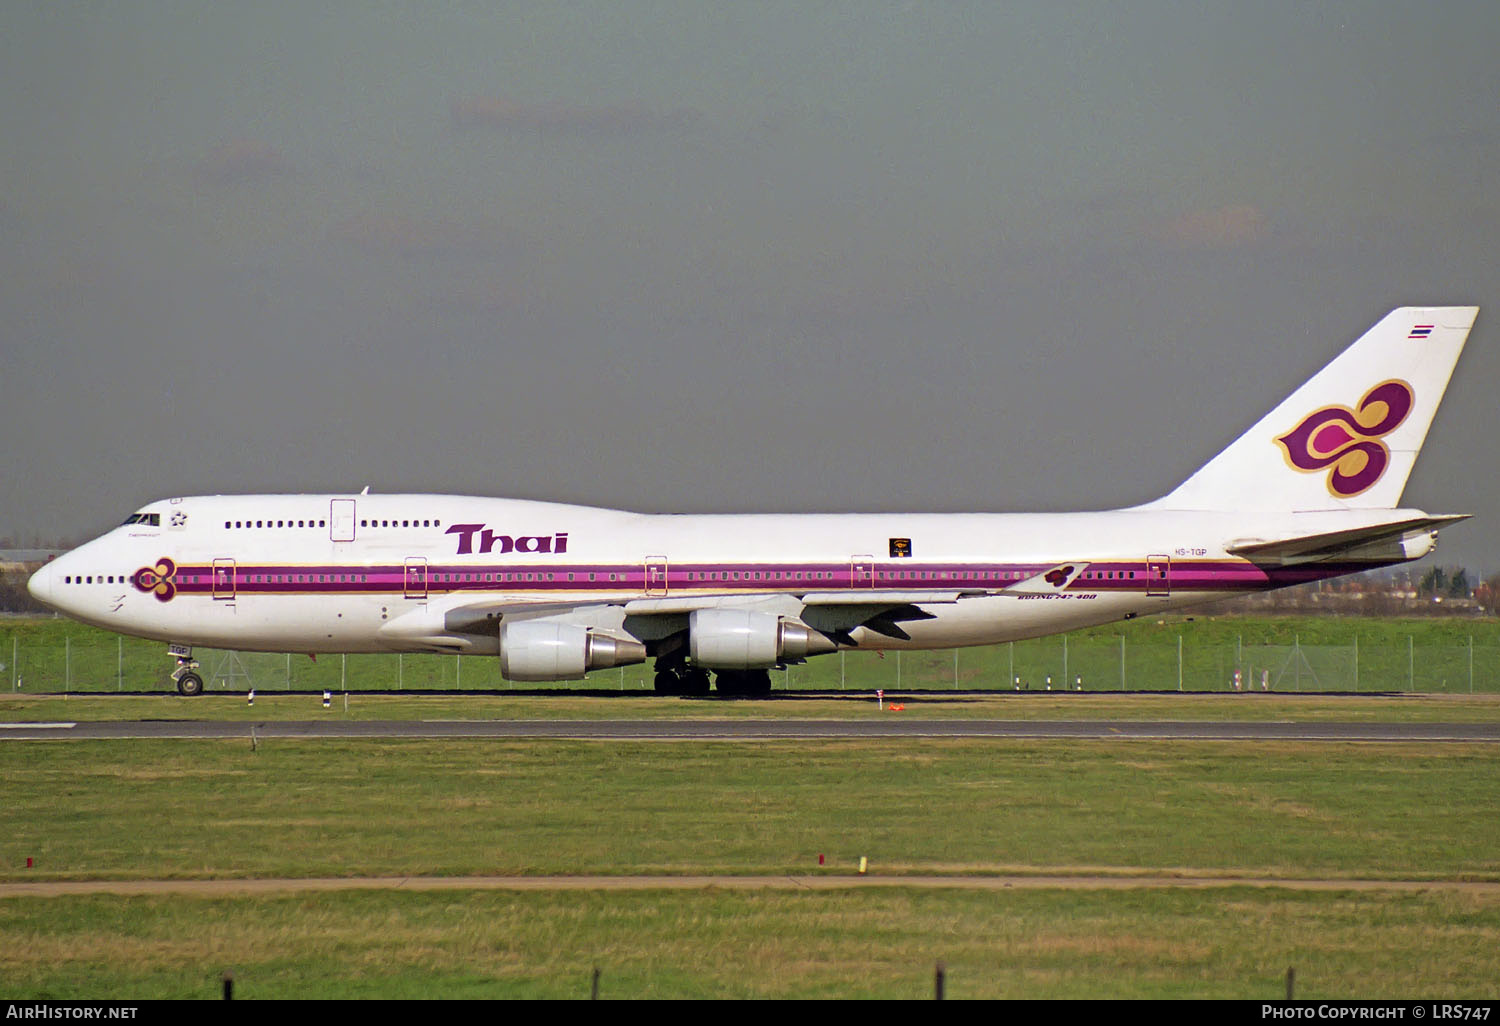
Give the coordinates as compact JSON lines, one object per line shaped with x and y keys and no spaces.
{"x":242,"y":160}
{"x":493,"y":113}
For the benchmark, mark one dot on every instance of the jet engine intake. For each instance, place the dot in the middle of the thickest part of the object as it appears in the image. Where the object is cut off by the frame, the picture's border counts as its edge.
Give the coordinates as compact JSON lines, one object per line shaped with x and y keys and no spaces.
{"x":742,"y":639}
{"x":544,"y":650}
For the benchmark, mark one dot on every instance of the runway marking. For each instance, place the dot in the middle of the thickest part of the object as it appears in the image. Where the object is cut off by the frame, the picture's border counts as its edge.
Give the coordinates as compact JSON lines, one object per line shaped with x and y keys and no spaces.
{"x":731,"y":731}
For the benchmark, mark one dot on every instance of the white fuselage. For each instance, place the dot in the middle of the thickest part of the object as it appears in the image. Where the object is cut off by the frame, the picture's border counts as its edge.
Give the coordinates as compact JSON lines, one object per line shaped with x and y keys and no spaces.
{"x":367,"y":573}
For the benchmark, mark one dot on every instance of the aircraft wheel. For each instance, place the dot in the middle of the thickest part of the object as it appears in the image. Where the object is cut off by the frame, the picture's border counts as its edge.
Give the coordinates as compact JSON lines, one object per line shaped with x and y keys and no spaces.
{"x":668,"y":683}
{"x":695,"y":682}
{"x":190,"y":684}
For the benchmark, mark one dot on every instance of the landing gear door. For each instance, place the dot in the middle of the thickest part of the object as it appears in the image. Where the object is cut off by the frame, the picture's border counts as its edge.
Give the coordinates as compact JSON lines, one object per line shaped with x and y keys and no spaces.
{"x":416,"y":577}
{"x":224,"y":580}
{"x":1158,"y":575}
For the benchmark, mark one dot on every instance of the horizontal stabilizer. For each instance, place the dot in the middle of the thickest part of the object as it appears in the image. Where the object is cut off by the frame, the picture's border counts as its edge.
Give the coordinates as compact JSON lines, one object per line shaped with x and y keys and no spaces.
{"x":1333,"y":542}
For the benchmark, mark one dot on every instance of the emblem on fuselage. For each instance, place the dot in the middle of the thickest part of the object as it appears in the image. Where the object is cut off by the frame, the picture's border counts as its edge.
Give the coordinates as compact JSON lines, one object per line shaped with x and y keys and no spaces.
{"x":157,"y":580}
{"x":489,"y":541}
{"x":1346,"y":442}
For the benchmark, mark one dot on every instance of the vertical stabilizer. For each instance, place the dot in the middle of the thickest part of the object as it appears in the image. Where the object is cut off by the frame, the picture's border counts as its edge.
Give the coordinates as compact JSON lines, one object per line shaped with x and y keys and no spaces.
{"x":1349,"y":437}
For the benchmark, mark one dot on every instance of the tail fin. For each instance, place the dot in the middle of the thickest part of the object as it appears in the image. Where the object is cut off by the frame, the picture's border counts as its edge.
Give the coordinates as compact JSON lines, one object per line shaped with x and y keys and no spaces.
{"x":1349,"y":437}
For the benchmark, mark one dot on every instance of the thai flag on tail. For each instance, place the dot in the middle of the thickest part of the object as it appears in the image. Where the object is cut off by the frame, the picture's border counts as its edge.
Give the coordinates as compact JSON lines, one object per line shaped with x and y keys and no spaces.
{"x":1420,"y":331}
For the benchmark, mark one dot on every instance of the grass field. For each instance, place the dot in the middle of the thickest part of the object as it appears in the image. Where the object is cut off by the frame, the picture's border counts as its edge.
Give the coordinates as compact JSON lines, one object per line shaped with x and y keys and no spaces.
{"x":1340,"y":812}
{"x":1194,"y":653}
{"x":147,"y":809}
{"x":1224,"y":943}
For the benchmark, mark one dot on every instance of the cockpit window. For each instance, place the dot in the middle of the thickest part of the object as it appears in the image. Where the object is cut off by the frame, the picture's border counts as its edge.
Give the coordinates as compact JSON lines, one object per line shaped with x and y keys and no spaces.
{"x":148,"y":519}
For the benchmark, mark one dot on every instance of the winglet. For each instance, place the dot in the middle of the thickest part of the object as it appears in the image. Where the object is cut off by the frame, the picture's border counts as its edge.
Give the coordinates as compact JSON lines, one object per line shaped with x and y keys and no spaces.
{"x":1048,"y":581}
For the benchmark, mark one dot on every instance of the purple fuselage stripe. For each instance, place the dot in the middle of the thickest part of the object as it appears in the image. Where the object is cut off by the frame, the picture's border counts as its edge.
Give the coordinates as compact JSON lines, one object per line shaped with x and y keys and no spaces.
{"x":400,"y":580}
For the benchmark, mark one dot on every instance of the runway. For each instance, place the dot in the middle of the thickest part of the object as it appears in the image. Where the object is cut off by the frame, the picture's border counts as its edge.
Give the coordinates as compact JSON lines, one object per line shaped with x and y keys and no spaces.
{"x":758,"y":730}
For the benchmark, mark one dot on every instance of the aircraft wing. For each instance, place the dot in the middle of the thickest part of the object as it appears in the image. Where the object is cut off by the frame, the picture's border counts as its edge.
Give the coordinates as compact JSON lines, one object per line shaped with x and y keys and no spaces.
{"x":454,"y":627}
{"x":1306,"y":547}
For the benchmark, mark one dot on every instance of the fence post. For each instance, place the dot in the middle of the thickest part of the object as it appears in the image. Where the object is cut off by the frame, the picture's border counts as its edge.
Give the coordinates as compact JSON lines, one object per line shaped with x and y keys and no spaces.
{"x":1179,"y":662}
{"x":1471,"y":664}
{"x":1065,"y":662}
{"x":1356,"y":660}
{"x":120,"y":665}
{"x":67,"y":664}
{"x":1411,"y":665}
{"x":1122,"y":662}
{"x":289,"y":671}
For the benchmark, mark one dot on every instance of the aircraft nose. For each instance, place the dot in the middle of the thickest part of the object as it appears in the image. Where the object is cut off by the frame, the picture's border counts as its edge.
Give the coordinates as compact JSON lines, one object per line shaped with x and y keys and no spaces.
{"x":41,"y":584}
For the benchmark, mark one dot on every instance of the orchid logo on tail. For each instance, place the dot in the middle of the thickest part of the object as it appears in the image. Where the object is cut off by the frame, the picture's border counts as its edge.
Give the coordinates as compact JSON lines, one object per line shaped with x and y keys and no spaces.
{"x":1345,"y":442}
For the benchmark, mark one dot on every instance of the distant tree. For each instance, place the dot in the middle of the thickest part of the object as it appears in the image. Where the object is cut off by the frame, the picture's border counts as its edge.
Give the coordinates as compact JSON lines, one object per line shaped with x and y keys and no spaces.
{"x":1458,"y":583}
{"x":1433,"y":582}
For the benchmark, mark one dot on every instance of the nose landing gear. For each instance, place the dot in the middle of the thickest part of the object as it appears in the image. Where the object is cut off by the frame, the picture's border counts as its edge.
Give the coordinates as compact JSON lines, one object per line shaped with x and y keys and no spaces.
{"x":186,"y":676}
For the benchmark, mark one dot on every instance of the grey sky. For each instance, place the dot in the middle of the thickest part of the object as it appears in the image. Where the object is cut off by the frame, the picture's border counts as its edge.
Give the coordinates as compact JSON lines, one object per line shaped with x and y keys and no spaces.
{"x":690,"y":257}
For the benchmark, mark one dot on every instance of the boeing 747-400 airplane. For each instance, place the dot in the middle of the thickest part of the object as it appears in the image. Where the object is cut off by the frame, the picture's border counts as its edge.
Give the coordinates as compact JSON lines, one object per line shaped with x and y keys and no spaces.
{"x":1309,"y":492}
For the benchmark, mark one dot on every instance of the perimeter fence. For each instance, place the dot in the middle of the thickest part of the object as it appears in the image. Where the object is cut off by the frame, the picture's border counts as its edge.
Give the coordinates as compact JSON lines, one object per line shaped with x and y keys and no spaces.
{"x":67,"y":658}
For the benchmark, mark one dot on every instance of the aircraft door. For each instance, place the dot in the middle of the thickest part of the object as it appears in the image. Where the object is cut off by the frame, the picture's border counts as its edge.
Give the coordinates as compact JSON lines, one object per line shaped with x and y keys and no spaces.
{"x":224,"y":579}
{"x":416,"y":577}
{"x":862,"y":571}
{"x":656,"y":575}
{"x":1158,"y":575}
{"x":341,"y":520}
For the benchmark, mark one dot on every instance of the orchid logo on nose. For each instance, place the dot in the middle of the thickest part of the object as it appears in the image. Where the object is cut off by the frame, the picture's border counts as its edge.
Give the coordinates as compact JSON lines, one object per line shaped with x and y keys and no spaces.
{"x":158,"y":579}
{"x":1345,"y":442}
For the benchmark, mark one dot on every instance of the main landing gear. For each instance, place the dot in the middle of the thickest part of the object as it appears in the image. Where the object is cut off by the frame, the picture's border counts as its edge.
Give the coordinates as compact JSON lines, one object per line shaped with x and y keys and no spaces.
{"x":685,"y":680}
{"x":681,"y":680}
{"x":743,"y":682}
{"x":186,"y":676}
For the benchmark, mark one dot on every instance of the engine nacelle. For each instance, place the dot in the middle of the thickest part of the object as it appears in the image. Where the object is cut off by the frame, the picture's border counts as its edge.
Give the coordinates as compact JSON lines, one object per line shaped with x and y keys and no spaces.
{"x":742,"y":639}
{"x":544,"y":650}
